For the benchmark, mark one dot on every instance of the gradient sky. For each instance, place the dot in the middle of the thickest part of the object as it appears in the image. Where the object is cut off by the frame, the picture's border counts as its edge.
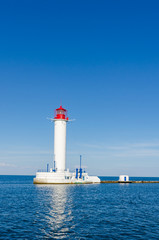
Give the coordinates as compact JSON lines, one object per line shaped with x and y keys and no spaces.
{"x":100,"y":59}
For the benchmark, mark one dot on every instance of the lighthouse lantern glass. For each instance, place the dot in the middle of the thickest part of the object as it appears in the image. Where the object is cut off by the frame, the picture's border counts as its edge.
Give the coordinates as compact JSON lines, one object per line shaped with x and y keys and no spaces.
{"x":61,"y":113}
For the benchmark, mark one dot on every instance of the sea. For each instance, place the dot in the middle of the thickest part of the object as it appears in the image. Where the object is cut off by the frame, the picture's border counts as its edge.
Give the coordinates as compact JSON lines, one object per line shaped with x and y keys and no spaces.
{"x":91,"y":211}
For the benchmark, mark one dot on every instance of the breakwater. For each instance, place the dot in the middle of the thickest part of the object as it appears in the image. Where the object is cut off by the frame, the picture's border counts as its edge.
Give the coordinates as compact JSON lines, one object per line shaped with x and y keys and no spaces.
{"x":110,"y":181}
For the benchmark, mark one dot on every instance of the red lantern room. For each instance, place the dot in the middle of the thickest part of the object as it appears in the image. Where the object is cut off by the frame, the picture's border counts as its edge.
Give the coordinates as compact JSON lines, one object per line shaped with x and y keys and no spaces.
{"x":61,"y":113}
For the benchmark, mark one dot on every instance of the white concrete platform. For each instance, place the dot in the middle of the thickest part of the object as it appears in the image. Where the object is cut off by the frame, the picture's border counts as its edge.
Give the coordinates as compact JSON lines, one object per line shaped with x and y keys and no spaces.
{"x":64,"y":177}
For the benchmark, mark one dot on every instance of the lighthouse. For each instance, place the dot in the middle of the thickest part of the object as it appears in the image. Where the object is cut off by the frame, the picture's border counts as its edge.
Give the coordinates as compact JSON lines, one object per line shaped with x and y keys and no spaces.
{"x":59,"y":174}
{"x":60,"y":121}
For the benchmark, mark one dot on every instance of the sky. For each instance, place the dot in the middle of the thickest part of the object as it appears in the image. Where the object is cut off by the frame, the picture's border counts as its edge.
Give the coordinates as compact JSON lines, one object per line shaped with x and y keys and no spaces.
{"x":100,"y":60}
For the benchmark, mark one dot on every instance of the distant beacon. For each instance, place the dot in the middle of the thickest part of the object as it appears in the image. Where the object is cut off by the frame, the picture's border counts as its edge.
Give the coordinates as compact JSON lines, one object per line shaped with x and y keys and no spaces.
{"x":123,"y":178}
{"x":59,"y":174}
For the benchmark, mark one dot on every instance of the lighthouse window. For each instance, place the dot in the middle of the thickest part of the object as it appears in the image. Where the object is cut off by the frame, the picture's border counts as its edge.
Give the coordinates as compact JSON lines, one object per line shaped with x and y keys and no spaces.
{"x":60,"y":112}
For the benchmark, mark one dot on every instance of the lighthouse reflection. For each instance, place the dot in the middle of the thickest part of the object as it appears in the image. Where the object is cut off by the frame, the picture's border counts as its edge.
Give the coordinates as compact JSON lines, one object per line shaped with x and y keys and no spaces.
{"x":58,"y":214}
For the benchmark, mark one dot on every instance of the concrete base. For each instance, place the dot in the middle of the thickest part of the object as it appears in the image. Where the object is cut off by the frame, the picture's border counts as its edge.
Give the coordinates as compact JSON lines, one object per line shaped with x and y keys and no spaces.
{"x":64,"y":177}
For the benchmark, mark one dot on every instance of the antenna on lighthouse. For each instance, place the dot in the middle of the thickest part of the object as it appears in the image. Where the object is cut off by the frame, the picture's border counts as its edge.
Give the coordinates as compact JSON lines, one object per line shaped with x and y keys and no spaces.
{"x":54,"y":164}
{"x":80,"y":160}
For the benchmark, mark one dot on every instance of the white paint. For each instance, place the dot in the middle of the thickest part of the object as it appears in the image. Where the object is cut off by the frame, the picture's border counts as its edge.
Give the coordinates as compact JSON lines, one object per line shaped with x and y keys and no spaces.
{"x":123,"y":178}
{"x":60,"y":144}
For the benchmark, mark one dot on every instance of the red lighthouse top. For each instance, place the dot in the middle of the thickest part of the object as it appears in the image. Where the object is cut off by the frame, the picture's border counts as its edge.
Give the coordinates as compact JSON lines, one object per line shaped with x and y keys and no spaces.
{"x":61,"y":113}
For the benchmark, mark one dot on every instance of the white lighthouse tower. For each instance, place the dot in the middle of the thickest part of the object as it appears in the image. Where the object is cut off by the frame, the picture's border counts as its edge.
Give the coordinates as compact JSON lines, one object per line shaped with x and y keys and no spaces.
{"x":59,"y":174}
{"x":60,"y":121}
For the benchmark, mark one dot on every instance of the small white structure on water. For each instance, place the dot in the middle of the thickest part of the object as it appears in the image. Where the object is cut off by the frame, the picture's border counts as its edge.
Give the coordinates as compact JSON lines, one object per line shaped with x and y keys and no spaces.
{"x":123,"y":178}
{"x":59,"y":174}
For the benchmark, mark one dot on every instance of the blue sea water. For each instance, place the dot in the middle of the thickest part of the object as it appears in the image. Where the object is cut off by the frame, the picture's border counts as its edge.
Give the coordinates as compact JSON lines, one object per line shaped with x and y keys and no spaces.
{"x":97,"y":211}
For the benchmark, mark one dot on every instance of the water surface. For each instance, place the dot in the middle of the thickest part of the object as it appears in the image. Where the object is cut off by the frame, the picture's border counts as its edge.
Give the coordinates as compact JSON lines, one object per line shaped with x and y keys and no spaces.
{"x":98,"y":211}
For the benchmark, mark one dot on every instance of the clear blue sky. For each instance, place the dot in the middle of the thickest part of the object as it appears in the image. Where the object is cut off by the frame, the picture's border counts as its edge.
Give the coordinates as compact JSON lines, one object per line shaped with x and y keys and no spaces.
{"x":101,"y":60}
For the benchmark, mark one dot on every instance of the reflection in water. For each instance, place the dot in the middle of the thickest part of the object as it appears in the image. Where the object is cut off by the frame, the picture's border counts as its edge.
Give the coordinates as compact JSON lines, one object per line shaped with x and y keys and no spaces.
{"x":58,"y":215}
